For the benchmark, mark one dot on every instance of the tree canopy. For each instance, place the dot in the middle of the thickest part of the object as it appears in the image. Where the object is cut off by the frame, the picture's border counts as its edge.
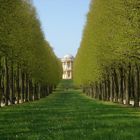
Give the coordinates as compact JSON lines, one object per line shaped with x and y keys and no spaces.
{"x":110,"y":43}
{"x":27,"y":59}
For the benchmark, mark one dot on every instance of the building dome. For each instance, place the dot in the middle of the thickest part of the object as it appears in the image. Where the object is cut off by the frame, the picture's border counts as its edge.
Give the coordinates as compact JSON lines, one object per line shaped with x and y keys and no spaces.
{"x":67,"y":65}
{"x":68,"y":56}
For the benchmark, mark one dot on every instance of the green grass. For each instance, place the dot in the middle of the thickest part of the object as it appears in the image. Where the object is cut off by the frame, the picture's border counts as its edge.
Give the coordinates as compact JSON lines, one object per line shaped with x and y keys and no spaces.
{"x":69,"y":115}
{"x":66,"y":84}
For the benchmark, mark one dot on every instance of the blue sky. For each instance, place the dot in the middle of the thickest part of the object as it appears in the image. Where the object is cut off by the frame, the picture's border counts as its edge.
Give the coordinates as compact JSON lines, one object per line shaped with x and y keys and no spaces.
{"x":62,"y":22}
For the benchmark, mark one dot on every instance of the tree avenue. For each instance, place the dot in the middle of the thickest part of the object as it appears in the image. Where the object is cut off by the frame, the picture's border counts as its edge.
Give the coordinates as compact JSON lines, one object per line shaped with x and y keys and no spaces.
{"x":29,"y":69}
{"x":107,"y":64}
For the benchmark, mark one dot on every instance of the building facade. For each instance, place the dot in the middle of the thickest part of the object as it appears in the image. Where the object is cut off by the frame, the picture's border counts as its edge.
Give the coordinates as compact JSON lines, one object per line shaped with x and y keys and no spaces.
{"x":67,"y":64}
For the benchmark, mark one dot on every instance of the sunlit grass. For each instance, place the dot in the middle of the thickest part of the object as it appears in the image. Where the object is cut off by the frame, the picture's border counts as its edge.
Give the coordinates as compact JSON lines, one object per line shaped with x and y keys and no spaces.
{"x":69,"y":115}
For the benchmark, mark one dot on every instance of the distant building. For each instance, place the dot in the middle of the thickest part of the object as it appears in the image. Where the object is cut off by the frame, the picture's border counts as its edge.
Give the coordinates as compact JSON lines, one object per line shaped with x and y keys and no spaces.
{"x":67,"y":64}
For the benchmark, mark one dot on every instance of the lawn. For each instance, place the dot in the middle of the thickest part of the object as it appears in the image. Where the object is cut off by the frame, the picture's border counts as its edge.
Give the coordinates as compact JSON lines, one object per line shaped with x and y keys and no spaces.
{"x":69,"y":115}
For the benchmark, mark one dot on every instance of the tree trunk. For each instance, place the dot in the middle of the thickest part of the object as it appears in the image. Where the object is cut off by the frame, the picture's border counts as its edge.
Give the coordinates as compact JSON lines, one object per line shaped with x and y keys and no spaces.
{"x":121,"y":85}
{"x":22,"y":86}
{"x":132,"y":84}
{"x":99,"y":91}
{"x":103,"y":91}
{"x":30,"y":90}
{"x":27,"y":89}
{"x":39,"y":90}
{"x":106,"y":93}
{"x":116,"y":86}
{"x":108,"y":87}
{"x":136,"y":89}
{"x":112,"y":89}
{"x":128,"y":86}
{"x":0,"y":91}
{"x":92,"y":91}
{"x":7,"y":82}
{"x":12,"y":85}
{"x":96,"y":90}
{"x":18,"y":84}
{"x":0,"y":82}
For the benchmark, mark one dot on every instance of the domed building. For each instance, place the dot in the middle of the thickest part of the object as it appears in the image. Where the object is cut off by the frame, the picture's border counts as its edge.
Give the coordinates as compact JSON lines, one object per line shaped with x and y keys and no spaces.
{"x":67,"y":64}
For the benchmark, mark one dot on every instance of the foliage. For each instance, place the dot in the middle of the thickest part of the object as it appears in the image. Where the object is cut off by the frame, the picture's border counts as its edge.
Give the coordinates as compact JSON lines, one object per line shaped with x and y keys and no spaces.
{"x":28,"y":63}
{"x":110,"y":42}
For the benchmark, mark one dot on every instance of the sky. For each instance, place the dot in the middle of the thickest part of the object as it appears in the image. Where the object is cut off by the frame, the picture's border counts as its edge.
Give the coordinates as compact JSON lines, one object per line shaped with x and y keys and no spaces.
{"x":62,"y":22}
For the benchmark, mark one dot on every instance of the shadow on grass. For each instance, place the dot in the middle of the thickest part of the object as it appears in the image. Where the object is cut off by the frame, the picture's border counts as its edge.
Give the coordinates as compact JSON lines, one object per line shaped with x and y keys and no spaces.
{"x":69,"y":115}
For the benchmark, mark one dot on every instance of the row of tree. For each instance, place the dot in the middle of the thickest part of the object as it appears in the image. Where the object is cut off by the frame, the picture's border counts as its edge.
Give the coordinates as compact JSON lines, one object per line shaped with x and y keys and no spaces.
{"x":107,"y":64}
{"x":29,"y":69}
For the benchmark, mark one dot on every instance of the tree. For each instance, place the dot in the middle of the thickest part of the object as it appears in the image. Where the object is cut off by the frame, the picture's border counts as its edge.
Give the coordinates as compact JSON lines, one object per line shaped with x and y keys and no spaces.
{"x":107,"y":61}
{"x":24,"y":54}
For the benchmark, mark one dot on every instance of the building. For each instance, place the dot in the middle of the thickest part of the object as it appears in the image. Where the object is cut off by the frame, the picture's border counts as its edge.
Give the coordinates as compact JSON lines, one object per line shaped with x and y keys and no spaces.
{"x":67,"y":64}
